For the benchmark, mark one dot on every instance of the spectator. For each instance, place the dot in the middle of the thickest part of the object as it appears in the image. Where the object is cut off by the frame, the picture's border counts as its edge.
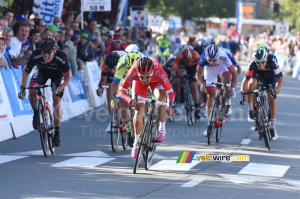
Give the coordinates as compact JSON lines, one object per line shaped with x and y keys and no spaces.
{"x":47,"y":32}
{"x":7,"y":34}
{"x":57,"y":21}
{"x":84,"y":52}
{"x":1,"y":23}
{"x":5,"y":23}
{"x":30,"y":22}
{"x":34,"y":38}
{"x":40,"y":24}
{"x":72,"y":50}
{"x":91,"y":28}
{"x":9,"y":16}
{"x":3,"y":62}
{"x":74,"y":25}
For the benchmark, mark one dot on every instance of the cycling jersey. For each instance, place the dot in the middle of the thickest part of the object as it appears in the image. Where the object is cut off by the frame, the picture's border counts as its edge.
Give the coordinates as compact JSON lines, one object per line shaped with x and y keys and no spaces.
{"x":159,"y":80}
{"x":55,"y":70}
{"x":222,"y":67}
{"x":104,"y":68}
{"x":181,"y":60}
{"x":161,"y":42}
{"x":269,"y":74}
{"x":121,"y":70}
{"x":228,"y":53}
{"x":110,"y":47}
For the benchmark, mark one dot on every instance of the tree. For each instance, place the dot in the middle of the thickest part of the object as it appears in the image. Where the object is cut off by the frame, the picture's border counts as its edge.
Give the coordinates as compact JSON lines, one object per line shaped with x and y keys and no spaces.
{"x":187,"y":9}
{"x":290,"y":10}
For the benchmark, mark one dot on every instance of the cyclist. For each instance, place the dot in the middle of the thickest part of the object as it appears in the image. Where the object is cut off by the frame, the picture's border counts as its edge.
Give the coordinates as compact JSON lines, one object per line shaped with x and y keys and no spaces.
{"x":124,"y":64}
{"x":162,"y":47}
{"x":264,"y":66}
{"x":53,"y":64}
{"x":132,"y":47}
{"x":214,"y":63}
{"x":186,"y":62}
{"x":147,"y":72}
{"x":107,"y":75}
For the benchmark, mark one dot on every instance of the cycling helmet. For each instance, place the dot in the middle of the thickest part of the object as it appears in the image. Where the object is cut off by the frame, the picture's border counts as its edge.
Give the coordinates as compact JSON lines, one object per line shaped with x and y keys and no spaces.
{"x":260,"y":55}
{"x":263,"y":47}
{"x":132,"y":47}
{"x":48,"y":44}
{"x":188,"y":55}
{"x":132,"y":57}
{"x":212,"y":52}
{"x":145,"y":66}
{"x":117,"y":36}
{"x":112,"y":59}
{"x":199,"y":49}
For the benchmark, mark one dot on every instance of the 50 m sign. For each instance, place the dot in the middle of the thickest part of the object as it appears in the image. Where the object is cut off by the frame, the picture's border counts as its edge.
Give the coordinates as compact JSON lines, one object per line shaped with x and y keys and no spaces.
{"x":96,"y":5}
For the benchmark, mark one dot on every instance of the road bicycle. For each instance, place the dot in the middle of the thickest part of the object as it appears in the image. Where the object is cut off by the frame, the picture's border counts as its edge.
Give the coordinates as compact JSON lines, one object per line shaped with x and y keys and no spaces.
{"x":261,"y":119}
{"x":218,"y":113}
{"x":45,"y":121}
{"x":147,"y":142}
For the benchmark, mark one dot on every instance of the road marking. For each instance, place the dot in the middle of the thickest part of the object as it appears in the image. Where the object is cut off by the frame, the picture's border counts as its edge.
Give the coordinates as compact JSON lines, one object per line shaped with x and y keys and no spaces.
{"x":270,"y":170}
{"x":85,"y":162}
{"x":171,"y":165}
{"x":37,"y":152}
{"x":192,"y":183}
{"x":89,"y":154}
{"x":246,"y":141}
{"x":294,"y":183}
{"x":243,"y":179}
{"x":8,"y":158}
{"x":252,"y":128}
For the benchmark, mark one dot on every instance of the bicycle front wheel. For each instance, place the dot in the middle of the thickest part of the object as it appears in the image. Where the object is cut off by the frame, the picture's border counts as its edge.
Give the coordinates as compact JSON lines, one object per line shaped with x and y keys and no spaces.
{"x":125,"y":135}
{"x":115,"y":130}
{"x":42,"y":129}
{"x":221,"y":114}
{"x":150,"y":151}
{"x":51,"y":132}
{"x":212,"y":122}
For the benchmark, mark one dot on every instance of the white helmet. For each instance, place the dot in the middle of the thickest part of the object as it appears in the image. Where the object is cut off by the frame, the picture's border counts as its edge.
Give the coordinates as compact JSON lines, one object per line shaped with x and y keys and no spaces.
{"x":132,"y":47}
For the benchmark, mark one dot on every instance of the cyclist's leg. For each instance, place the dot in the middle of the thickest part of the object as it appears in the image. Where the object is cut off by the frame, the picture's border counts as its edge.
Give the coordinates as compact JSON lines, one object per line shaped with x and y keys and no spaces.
{"x":37,"y":79}
{"x":195,"y":91}
{"x":160,"y":94}
{"x":226,"y":78}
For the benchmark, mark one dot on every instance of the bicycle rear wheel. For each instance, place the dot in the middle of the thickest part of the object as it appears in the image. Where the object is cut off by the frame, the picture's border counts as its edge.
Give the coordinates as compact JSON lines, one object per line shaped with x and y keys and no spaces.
{"x":42,"y":129}
{"x":150,"y":151}
{"x":125,"y":135}
{"x":188,"y":105}
{"x":263,"y":130}
{"x":51,"y":133}
{"x":115,"y":130}
{"x":221,"y":114}
{"x":212,"y":123}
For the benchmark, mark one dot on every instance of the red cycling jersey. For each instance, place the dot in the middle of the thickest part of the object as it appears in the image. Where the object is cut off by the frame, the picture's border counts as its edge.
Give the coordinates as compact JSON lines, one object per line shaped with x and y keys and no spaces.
{"x":159,"y":79}
{"x":110,"y":47}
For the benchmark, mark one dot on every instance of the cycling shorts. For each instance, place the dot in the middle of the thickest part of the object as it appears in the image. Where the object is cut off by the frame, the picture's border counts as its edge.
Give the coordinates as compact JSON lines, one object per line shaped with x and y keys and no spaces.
{"x":266,"y":76}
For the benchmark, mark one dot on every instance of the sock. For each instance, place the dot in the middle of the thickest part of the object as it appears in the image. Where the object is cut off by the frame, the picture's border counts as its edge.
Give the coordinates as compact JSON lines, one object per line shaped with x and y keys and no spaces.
{"x":136,"y":139}
{"x":57,"y":128}
{"x":228,"y":102}
{"x":181,"y":95}
{"x":162,"y":126}
{"x":250,"y":107}
{"x":273,"y":121}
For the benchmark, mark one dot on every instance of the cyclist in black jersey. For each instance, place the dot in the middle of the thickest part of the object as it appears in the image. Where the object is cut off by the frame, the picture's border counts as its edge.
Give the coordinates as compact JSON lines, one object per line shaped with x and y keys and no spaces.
{"x":51,"y":63}
{"x":264,"y":66}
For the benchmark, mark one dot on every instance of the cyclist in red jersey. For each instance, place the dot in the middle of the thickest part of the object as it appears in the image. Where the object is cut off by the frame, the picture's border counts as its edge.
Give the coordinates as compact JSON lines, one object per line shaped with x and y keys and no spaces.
{"x":117,"y":44}
{"x":147,"y":72}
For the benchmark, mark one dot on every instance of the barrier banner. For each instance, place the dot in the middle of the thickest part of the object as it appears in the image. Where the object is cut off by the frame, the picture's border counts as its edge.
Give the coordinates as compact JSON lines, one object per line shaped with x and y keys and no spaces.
{"x":5,"y":111}
{"x":11,"y":80}
{"x":93,"y":74}
{"x":76,"y":88}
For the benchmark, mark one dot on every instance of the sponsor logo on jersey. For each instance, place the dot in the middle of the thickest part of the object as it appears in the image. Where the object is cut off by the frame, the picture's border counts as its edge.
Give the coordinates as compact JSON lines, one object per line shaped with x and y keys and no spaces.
{"x":161,"y":76}
{"x":131,"y":76}
{"x":275,"y":62}
{"x":60,"y":59}
{"x":37,"y":57}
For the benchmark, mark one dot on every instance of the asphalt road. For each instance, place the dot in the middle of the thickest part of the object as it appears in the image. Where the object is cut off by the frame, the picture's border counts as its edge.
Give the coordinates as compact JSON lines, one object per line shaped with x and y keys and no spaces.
{"x":85,"y":166}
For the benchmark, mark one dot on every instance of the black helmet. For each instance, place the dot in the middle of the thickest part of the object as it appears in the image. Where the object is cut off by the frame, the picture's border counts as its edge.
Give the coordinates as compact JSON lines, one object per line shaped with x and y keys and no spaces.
{"x":260,"y":55}
{"x":48,"y":44}
{"x":112,"y":59}
{"x":199,"y":49}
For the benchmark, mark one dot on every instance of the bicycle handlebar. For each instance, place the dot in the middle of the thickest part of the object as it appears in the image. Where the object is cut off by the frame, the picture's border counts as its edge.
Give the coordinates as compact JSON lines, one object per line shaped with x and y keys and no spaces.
{"x":154,"y":101}
{"x":38,"y":86}
{"x":217,"y":83}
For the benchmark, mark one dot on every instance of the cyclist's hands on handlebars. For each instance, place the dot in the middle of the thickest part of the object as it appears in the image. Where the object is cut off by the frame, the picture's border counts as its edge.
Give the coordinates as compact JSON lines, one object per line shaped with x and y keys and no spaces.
{"x":22,"y":92}
{"x":99,"y":91}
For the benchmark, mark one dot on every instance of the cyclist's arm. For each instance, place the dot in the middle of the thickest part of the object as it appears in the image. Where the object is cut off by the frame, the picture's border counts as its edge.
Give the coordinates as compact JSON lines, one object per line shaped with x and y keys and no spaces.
{"x":234,"y":76}
{"x":65,"y":82}
{"x":131,"y":75}
{"x":279,"y":84}
{"x":175,"y":66}
{"x":199,"y":75}
{"x":24,"y":78}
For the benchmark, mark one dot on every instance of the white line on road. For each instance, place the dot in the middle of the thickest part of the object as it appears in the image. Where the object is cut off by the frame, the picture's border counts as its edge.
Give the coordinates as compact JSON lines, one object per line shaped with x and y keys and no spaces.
{"x":294,"y":183}
{"x":246,"y":141}
{"x":252,"y":128}
{"x":171,"y":165}
{"x":271,"y":170}
{"x":192,"y":183}
{"x":86,"y":162}
{"x":8,"y":158}
{"x":37,"y":152}
{"x":243,"y":179}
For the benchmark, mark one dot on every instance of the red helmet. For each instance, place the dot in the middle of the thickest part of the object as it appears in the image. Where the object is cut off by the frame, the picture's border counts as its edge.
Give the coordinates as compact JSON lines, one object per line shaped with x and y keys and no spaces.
{"x":188,"y":55}
{"x":145,"y":66}
{"x":117,"y":36}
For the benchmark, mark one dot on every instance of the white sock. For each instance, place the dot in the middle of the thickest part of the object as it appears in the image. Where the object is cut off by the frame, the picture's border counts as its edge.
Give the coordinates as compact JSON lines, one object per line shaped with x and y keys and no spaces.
{"x":162,"y":126}
{"x":228,"y":101}
{"x":136,"y":139}
{"x":250,"y":107}
{"x":273,"y":121}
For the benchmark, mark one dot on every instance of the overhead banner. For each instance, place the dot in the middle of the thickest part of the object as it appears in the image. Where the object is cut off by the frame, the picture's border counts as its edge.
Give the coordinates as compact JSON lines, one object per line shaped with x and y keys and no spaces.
{"x":5,"y":111}
{"x":96,"y":5}
{"x":12,"y":84}
{"x":76,"y":88}
{"x":138,"y":18}
{"x":48,"y":9}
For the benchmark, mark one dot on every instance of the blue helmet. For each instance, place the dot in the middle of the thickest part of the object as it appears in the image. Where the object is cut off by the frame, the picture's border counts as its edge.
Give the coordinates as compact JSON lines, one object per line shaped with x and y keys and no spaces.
{"x":212,"y":52}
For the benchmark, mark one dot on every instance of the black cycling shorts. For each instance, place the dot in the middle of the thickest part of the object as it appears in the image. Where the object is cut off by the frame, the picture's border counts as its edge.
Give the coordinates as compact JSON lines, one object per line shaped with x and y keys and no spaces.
{"x":267,"y":76}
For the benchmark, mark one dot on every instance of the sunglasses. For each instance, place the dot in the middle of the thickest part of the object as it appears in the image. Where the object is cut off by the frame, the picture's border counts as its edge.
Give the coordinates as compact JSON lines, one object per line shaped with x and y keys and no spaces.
{"x":260,"y":62}
{"x":145,"y":76}
{"x":42,"y":26}
{"x":47,"y":52}
{"x":211,"y":60}
{"x":117,"y":41}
